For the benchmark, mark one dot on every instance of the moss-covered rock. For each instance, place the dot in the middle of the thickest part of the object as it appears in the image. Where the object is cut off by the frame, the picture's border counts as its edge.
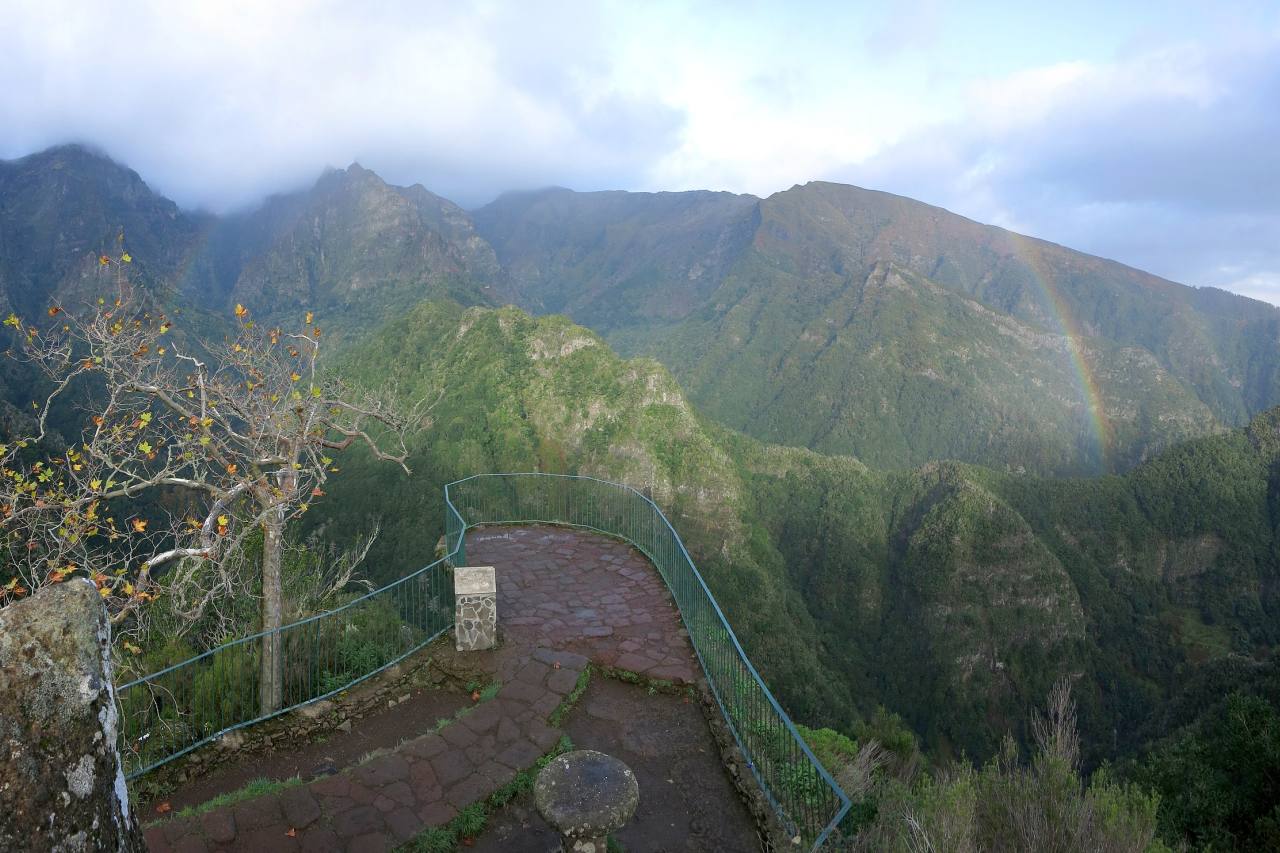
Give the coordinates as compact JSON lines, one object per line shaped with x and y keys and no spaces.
{"x":62,"y":784}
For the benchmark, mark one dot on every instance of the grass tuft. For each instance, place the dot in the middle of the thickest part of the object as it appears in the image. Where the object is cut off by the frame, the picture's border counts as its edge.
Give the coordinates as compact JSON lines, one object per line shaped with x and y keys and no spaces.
{"x":472,"y":820}
{"x":566,"y":705}
{"x":253,"y":788}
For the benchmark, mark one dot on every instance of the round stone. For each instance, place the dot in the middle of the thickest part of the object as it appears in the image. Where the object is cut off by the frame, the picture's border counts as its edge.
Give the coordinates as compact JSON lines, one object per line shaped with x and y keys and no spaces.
{"x":586,"y":794}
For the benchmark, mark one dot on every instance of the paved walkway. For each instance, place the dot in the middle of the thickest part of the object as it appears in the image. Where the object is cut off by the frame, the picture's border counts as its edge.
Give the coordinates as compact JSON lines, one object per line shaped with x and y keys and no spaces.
{"x":564,"y":597}
{"x":599,"y":597}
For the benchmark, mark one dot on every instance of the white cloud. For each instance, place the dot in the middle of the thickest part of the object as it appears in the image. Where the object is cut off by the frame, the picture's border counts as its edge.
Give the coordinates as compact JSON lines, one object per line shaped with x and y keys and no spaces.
{"x":1264,"y":286}
{"x":219,"y":102}
{"x":1163,"y":156}
{"x":1168,"y":160}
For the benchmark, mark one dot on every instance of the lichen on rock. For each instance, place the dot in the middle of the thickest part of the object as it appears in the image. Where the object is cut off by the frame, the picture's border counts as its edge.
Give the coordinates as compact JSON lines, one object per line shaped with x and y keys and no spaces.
{"x":61,"y":778}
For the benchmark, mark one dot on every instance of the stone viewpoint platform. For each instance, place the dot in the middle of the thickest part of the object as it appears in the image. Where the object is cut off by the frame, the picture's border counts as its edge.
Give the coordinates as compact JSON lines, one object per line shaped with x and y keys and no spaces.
{"x":565,"y":598}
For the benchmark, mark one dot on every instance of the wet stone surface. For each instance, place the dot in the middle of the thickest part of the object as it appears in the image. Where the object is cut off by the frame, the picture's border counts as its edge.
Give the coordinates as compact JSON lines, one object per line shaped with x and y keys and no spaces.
{"x":586,"y":794}
{"x":566,"y":598}
{"x":688,"y":803}
{"x":596,"y":596}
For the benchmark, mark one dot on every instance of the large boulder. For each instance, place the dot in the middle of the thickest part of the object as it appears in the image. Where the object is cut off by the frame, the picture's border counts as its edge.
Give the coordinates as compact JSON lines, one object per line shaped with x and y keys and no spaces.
{"x":62,"y":785}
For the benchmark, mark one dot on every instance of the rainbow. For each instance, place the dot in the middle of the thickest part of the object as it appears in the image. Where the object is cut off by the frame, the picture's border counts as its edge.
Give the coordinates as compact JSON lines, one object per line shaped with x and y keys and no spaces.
{"x":1026,"y":250}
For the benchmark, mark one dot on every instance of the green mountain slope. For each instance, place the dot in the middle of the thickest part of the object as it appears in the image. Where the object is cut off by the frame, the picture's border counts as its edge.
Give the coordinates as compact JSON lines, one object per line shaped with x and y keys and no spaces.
{"x":828,"y":317}
{"x":353,"y":246}
{"x":896,"y":369}
{"x":759,"y":308}
{"x":953,"y":594}
{"x":62,"y":208}
{"x":616,"y":260}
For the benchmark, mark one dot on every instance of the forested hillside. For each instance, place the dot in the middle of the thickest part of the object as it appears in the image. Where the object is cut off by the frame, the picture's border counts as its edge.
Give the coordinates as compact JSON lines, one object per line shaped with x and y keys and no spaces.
{"x":852,"y":321}
{"x":829,"y":317}
{"x":841,"y":349}
{"x":954,"y":595}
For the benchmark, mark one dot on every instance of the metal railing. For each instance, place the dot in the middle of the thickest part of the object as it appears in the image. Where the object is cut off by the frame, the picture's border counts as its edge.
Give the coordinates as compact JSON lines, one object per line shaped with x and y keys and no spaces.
{"x":169,"y":713}
{"x":806,"y":799}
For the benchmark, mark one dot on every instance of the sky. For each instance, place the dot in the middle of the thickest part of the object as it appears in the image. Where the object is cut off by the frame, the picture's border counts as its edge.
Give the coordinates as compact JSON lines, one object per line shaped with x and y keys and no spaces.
{"x":1144,"y":132}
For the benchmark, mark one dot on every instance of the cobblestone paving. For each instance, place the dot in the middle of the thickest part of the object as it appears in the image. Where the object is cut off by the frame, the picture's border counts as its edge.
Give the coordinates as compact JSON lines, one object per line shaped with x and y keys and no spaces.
{"x":564,"y":597}
{"x":599,"y":597}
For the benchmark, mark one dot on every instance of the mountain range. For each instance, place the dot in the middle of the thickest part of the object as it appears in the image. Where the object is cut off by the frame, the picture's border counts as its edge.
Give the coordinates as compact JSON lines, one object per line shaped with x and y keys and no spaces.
{"x":857,"y":409}
{"x":829,"y":317}
{"x":953,"y":594}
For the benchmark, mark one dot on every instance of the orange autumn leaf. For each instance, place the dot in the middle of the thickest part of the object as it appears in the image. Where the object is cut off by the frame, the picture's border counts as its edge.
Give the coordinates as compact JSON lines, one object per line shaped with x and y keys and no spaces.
{"x":139,"y":526}
{"x":231,"y":469}
{"x":54,"y":310}
{"x":241,"y":311}
{"x":163,"y":807}
{"x":103,"y":260}
{"x":292,"y":833}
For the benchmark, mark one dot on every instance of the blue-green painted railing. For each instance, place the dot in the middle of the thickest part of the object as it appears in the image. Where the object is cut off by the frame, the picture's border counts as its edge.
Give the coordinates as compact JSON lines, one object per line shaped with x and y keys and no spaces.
{"x":171,"y":712}
{"x":806,"y":799}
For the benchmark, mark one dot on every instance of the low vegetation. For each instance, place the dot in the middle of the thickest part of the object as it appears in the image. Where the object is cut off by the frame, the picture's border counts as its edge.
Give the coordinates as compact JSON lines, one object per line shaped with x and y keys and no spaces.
{"x":1007,"y":803}
{"x":472,"y":820}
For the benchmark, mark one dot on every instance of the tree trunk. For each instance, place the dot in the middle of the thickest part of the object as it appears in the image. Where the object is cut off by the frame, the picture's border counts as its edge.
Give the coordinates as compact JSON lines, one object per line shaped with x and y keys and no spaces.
{"x":271,"y":682}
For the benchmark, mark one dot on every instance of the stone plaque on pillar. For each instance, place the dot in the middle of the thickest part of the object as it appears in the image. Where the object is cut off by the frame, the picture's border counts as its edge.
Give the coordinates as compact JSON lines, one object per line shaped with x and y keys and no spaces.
{"x":475,"y":591}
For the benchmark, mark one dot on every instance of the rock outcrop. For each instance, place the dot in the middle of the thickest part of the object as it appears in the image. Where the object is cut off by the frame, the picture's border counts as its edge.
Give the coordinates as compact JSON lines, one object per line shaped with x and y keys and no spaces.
{"x":62,"y":785}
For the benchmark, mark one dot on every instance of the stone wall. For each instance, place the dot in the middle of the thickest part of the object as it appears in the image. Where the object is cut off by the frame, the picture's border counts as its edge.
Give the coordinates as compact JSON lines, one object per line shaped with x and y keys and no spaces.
{"x":62,"y":785}
{"x":475,"y":620}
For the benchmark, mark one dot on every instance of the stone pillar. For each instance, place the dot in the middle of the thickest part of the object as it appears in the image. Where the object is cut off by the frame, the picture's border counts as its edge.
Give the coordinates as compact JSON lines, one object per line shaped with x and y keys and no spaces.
{"x":61,"y":779}
{"x":586,"y":795}
{"x":475,"y":623}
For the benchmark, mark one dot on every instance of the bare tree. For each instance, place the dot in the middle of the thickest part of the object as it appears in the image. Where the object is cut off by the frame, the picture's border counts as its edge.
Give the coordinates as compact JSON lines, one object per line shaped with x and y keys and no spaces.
{"x":220,"y":438}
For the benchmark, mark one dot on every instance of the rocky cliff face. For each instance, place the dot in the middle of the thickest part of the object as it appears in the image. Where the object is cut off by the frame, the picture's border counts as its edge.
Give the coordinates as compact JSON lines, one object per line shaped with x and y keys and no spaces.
{"x":60,"y":209}
{"x":827,"y":316}
{"x":858,"y":322}
{"x":62,"y":784}
{"x":354,"y":242}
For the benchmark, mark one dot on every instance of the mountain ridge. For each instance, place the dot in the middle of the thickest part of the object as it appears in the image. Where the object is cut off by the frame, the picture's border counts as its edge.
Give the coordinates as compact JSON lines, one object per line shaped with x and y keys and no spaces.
{"x":953,"y":594}
{"x":746,"y":299}
{"x":806,"y":245}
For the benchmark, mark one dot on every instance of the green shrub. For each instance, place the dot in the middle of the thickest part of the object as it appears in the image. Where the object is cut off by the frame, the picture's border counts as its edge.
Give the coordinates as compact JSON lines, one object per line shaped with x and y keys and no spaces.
{"x":471,"y":821}
{"x":435,"y":840}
